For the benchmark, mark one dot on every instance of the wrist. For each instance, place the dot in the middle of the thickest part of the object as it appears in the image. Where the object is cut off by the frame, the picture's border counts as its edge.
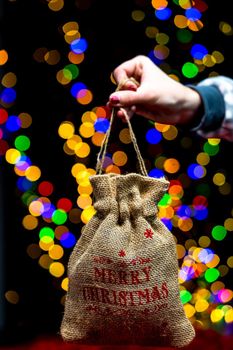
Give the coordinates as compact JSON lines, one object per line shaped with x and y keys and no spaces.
{"x":192,"y":109}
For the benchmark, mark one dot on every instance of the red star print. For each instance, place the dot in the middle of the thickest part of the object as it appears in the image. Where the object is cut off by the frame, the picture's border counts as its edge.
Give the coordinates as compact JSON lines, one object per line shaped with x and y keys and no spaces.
{"x":121,"y":253}
{"x":148,"y":233}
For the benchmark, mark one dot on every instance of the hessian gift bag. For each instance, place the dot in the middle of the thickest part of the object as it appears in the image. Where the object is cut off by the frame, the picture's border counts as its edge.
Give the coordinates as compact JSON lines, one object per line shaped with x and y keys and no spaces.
{"x":123,"y":271}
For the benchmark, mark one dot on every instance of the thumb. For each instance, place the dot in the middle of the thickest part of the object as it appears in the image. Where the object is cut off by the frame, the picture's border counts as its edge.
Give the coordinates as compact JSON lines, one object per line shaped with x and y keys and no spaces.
{"x":124,"y":98}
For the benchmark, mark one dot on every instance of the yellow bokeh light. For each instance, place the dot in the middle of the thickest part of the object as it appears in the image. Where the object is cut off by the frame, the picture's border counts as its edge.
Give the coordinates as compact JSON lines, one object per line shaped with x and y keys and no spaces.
{"x":84,"y":96}
{"x":124,"y":136}
{"x":33,"y":173}
{"x":219,"y":179}
{"x":171,"y":133}
{"x":226,"y":28}
{"x":97,"y":138}
{"x":82,"y":178}
{"x":36,"y":208}
{"x":228,"y":224}
{"x":62,"y":78}
{"x":56,"y":5}
{"x":225,"y":189}
{"x":76,"y":168}
{"x":12,"y":296}
{"x":84,"y":200}
{"x":89,"y":117}
{"x":180,"y":21}
{"x":82,"y":149}
{"x":56,"y":269}
{"x":65,"y":284}
{"x":185,"y":224}
{"x":12,"y":155}
{"x":159,"y":4}
{"x":209,"y":60}
{"x":85,"y":189}
{"x":229,"y":316}
{"x":201,"y":305}
{"x":216,"y":315}
{"x":181,"y":251}
{"x":72,"y":35}
{"x":56,"y":252}
{"x":72,"y":142}
{"x":218,"y":56}
{"x":162,"y":127}
{"x":230,"y":261}
{"x":87,"y":214}
{"x":151,"y":32}
{"x":189,"y":310}
{"x":25,"y":120}
{"x":75,"y":58}
{"x":119,"y":158}
{"x":72,"y":25}
{"x":171,"y":165}
{"x":203,"y":158}
{"x":30,"y":222}
{"x":87,"y":129}
{"x":3,"y":57}
{"x":217,"y":286}
{"x":214,"y":141}
{"x":9,"y":80}
{"x":112,"y":169}
{"x":45,"y":261}
{"x":214,"y":261}
{"x":204,"y":241}
{"x":66,"y":130}
{"x":52,"y":57}
{"x":138,"y":15}
{"x":166,"y":212}
{"x":223,"y":269}
{"x":195,"y":26}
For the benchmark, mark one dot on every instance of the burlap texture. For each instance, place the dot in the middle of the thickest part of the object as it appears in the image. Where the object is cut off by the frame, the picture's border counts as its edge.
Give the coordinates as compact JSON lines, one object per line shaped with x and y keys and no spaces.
{"x":123,"y":271}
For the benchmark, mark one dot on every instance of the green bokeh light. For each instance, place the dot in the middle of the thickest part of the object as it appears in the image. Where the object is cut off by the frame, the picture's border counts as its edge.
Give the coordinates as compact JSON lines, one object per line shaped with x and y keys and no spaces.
{"x":185,"y":296}
{"x":22,"y":143}
{"x":212,"y":150}
{"x":219,"y":232}
{"x":46,"y":231}
{"x":189,"y":70}
{"x":184,"y":36}
{"x":212,"y":275}
{"x":59,"y":217}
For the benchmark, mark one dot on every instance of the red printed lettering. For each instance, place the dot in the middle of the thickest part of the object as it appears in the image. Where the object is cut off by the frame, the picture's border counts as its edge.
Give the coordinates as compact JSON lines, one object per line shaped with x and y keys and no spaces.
{"x":135,"y":277}
{"x":146,"y":271}
{"x":143,"y":296}
{"x":164,"y":290}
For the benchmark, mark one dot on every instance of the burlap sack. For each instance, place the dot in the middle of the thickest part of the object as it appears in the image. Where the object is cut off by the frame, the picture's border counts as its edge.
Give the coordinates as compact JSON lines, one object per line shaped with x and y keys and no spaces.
{"x":123,"y":271}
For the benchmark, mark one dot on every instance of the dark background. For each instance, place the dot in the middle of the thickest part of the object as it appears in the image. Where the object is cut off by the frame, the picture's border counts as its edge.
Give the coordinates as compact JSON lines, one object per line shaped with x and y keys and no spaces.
{"x":112,"y":37}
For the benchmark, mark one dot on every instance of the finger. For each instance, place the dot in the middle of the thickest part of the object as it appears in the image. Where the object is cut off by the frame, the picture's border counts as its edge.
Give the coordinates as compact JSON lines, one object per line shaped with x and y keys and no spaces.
{"x":126,"y":70}
{"x":125,"y":98}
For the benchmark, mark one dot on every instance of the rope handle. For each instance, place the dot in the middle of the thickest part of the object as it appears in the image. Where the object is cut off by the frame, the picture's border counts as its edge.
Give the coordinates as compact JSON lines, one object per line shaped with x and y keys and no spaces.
{"x":103,"y":148}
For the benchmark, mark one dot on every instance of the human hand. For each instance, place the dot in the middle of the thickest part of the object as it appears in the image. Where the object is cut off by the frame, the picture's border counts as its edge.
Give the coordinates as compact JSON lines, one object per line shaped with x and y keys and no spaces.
{"x":157,"y":96}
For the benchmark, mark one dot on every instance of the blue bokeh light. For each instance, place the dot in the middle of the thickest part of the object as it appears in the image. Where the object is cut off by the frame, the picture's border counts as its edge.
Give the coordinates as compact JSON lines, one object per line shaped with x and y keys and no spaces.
{"x":153,"y":136}
{"x":79,"y":46}
{"x":163,"y":13}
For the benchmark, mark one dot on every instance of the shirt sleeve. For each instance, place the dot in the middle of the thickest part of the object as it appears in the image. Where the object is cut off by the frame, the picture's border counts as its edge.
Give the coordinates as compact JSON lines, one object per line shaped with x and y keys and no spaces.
{"x":217,"y":97}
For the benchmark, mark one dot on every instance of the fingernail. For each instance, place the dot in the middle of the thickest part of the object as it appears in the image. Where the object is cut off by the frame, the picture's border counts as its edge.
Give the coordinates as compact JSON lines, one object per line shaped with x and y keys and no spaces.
{"x":114,"y":99}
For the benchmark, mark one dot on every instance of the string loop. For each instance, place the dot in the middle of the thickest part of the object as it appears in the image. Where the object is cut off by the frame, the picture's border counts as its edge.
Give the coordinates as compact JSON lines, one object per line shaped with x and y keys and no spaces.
{"x":103,"y":149}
